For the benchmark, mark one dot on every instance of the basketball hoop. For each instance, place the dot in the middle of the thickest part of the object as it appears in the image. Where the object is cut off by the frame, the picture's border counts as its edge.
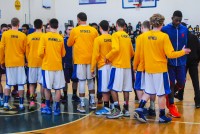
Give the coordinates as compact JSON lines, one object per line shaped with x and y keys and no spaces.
{"x":137,"y":5}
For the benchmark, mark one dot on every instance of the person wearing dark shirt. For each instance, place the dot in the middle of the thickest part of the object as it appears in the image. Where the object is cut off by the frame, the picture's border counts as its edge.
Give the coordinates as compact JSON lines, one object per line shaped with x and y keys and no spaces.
{"x":192,"y":66}
{"x":68,"y":69}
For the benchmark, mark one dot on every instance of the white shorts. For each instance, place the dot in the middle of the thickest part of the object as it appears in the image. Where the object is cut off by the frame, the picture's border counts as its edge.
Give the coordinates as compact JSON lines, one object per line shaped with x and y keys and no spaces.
{"x":82,"y":72}
{"x":34,"y":75}
{"x":15,"y":76}
{"x":139,"y":81}
{"x":103,"y":78}
{"x":157,"y":84}
{"x":53,"y":79}
{"x":120,"y":80}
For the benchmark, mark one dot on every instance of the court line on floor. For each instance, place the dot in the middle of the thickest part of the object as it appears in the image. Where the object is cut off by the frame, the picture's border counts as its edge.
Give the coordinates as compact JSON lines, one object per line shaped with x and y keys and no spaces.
{"x":54,"y":126}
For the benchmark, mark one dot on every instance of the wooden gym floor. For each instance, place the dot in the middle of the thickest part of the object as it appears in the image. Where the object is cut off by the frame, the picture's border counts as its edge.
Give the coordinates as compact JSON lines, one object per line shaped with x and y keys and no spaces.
{"x":89,"y":123}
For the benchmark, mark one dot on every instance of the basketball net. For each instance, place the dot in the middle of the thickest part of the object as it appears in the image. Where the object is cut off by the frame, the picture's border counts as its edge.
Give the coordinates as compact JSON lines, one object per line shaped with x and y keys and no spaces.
{"x":137,"y":5}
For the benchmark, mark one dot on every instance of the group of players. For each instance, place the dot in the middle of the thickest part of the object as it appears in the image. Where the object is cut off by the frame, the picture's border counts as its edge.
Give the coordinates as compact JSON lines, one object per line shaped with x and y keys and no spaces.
{"x":110,"y":54}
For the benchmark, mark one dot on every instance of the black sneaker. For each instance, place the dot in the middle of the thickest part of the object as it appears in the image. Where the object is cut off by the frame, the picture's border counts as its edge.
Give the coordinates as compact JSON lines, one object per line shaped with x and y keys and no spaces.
{"x":75,"y":98}
{"x":179,"y":95}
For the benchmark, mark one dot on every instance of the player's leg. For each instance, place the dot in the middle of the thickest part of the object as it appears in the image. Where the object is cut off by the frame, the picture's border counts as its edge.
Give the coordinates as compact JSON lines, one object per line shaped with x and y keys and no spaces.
{"x":103,"y":79}
{"x":162,"y":86}
{"x":193,"y":70}
{"x":32,"y":79}
{"x":74,"y":86}
{"x":116,"y":85}
{"x":170,"y":97}
{"x":80,"y":73}
{"x":90,"y":83}
{"x":47,"y":77}
{"x":58,"y":85}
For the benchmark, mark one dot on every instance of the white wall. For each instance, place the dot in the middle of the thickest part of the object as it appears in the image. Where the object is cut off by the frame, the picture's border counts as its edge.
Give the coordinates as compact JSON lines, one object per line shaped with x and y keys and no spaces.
{"x":68,"y":10}
{"x":8,"y":11}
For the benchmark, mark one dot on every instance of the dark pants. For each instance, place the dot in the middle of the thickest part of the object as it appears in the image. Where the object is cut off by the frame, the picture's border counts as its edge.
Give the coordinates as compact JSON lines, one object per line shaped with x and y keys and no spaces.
{"x":177,"y":74}
{"x":193,"y":71}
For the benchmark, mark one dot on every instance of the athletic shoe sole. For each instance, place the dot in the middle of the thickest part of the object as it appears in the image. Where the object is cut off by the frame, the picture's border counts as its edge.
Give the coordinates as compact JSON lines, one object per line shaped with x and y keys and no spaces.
{"x":114,"y":117}
{"x":137,"y":116}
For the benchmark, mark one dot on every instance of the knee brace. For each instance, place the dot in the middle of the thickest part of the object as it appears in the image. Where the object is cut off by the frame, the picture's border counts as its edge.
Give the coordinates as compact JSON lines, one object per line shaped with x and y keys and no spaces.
{"x":81,"y":87}
{"x":90,"y":84}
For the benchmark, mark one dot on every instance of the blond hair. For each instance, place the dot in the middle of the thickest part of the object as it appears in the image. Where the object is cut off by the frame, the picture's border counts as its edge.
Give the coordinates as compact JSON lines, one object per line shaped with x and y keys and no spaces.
{"x":157,"y":20}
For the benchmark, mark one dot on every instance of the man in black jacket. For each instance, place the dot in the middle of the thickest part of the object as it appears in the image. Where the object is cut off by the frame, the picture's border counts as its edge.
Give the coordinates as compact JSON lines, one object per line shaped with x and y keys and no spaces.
{"x":192,"y":65}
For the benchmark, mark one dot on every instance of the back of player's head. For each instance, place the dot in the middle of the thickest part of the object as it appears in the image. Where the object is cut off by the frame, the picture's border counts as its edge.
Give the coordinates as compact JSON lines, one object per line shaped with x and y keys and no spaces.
{"x":38,"y":23}
{"x":146,"y":24}
{"x":157,"y":20}
{"x":121,"y":22}
{"x":26,"y":26}
{"x":82,"y":16}
{"x":4,"y":26}
{"x":53,"y":23}
{"x":104,"y":25}
{"x":15,"y":22}
{"x":177,"y":13}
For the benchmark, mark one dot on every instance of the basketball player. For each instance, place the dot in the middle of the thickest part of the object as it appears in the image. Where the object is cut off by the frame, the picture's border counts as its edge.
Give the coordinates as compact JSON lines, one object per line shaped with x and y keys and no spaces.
{"x":52,"y":49}
{"x":14,"y":44}
{"x":82,"y":39}
{"x":68,"y":69}
{"x":102,"y":46}
{"x":178,"y":35}
{"x":34,"y":63}
{"x":120,"y":76}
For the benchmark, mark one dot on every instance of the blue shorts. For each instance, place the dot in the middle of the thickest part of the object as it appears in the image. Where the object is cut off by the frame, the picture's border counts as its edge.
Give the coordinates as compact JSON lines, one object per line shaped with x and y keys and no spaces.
{"x":139,"y":81}
{"x":177,"y":74}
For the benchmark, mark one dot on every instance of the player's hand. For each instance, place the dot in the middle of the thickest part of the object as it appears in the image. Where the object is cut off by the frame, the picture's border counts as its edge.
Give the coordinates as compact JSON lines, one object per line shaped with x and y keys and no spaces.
{"x":107,"y":61}
{"x":92,"y":74}
{"x":187,"y":50}
{"x":3,"y":66}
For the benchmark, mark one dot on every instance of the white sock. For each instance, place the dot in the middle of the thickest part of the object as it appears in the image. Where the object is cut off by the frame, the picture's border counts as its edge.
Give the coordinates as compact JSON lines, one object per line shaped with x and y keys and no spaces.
{"x":5,"y":104}
{"x":82,"y":101}
{"x":21,"y":105}
{"x":92,"y":96}
{"x":152,"y":105}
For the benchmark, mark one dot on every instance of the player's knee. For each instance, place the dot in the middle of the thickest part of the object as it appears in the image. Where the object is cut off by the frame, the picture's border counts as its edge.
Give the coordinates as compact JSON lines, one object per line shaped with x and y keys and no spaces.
{"x":81,"y":87}
{"x":20,"y":88}
{"x":90,"y":84}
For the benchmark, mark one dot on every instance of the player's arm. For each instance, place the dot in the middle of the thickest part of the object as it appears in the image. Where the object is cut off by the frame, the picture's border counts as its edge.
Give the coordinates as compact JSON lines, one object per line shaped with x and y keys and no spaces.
{"x":115,"y":48}
{"x":27,"y":48}
{"x":169,"y":50}
{"x":136,"y":60}
{"x":71,"y":39}
{"x":3,"y":49}
{"x":63,"y":50}
{"x":41,"y":49}
{"x":95,"y":55}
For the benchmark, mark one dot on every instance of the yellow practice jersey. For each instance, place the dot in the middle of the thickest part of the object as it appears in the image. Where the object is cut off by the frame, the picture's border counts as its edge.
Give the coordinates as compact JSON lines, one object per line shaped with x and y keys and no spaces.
{"x":156,"y":46}
{"x":32,"y":48}
{"x":138,"y":63}
{"x":51,"y":49}
{"x":102,"y":46}
{"x":82,"y":40}
{"x":14,"y":48}
{"x":122,"y":50}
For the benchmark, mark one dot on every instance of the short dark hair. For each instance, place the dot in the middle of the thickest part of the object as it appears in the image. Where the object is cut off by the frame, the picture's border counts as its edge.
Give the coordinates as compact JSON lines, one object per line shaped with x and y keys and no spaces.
{"x":82,"y":16}
{"x":4,"y":25}
{"x":14,"y":22}
{"x":38,"y":23}
{"x":104,"y":25}
{"x":121,"y":22}
{"x":53,"y":23}
{"x":26,"y":26}
{"x":177,"y":13}
{"x":46,"y":25}
{"x":146,"y":24}
{"x":93,"y":24}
